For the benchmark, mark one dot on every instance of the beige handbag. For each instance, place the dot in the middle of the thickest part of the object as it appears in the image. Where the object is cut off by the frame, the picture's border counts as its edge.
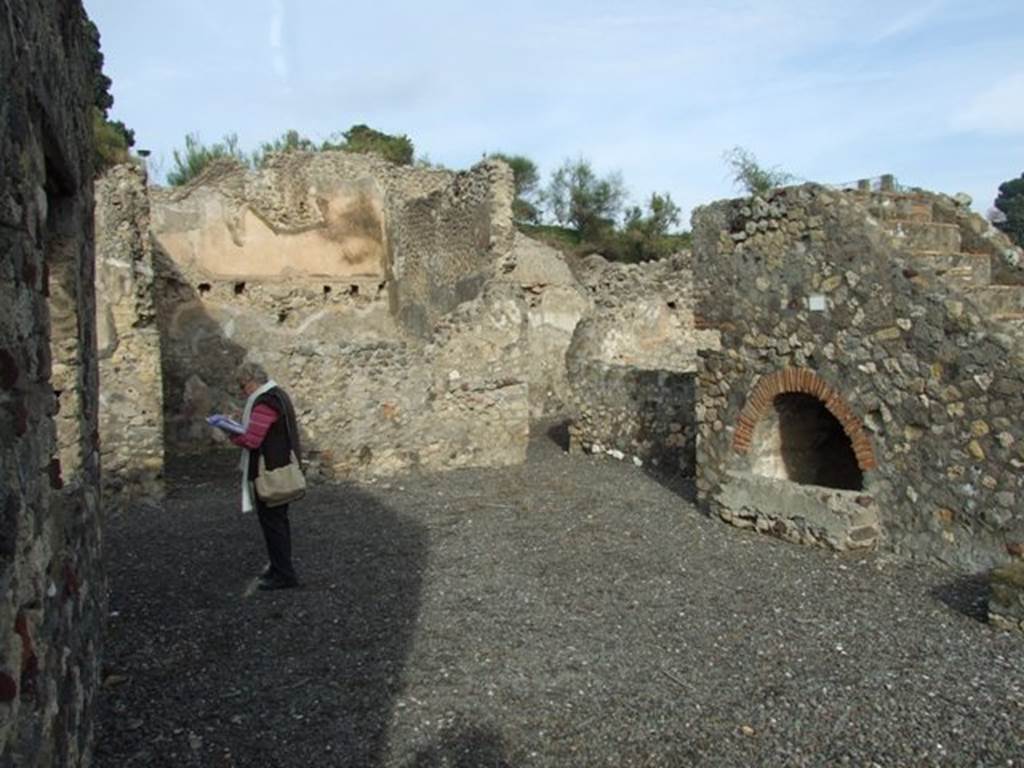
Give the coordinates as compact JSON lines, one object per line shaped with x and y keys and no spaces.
{"x":280,"y":486}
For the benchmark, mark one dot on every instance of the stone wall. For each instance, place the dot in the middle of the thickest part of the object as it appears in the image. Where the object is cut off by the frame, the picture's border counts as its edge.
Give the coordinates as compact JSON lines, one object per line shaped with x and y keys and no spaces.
{"x":396,"y":351}
{"x":834,"y":341}
{"x":979,"y":237}
{"x":52,"y":585}
{"x":431,"y":237}
{"x":556,"y":302}
{"x":131,"y":395}
{"x":447,"y":244}
{"x":631,"y":364}
{"x":1006,"y":603}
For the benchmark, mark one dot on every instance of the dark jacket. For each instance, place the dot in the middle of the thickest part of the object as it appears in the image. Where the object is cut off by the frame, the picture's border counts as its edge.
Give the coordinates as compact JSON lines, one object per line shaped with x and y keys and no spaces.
{"x":282,"y":437}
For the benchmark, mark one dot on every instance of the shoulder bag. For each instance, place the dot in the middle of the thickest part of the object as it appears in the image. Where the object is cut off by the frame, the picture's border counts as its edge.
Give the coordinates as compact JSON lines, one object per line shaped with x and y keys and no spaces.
{"x":277,"y":487}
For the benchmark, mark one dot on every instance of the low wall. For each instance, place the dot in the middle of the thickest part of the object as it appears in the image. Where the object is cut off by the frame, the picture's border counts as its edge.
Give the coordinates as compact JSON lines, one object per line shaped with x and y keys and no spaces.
{"x":644,"y":416}
{"x":631,"y":364}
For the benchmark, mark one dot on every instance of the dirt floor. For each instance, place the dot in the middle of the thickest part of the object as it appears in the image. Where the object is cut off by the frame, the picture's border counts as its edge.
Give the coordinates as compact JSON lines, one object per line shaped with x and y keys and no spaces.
{"x":570,"y":611}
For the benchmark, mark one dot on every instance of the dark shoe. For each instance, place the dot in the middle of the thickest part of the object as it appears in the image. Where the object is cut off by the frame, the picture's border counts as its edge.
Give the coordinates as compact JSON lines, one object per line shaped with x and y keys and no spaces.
{"x":276,"y":582}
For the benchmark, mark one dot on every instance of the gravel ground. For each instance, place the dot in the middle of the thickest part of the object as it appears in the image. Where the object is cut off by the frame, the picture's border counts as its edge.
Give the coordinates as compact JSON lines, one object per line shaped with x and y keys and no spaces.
{"x":570,"y":611}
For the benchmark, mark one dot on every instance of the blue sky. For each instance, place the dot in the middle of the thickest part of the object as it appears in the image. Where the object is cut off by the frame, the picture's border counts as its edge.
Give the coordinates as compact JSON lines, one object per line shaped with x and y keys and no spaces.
{"x":931,"y":90}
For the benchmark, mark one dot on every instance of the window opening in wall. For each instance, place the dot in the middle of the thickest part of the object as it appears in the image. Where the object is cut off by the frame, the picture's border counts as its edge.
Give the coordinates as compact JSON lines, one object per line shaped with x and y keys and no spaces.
{"x":353,"y":290}
{"x":800,"y":440}
{"x":282,"y":315}
{"x":204,"y":288}
{"x":239,"y":288}
{"x":327,"y":290}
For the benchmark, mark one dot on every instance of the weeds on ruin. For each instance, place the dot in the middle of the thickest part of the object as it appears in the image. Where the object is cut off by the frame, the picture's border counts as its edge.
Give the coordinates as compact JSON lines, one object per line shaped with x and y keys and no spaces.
{"x":289,"y":141}
{"x":749,"y":174}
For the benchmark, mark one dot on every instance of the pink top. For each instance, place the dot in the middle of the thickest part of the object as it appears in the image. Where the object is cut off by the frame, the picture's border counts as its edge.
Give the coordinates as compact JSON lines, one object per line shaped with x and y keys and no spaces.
{"x":260,"y":421}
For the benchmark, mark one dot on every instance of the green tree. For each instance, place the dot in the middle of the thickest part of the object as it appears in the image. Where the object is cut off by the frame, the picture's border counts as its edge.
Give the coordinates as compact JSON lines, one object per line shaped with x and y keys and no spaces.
{"x":196,"y":157}
{"x":750,"y":175}
{"x":289,"y":141}
{"x":663,"y":216}
{"x":111,"y":139}
{"x":1010,"y":202}
{"x":526,"y":178}
{"x":646,"y":236}
{"x":101,"y":97}
{"x":578,"y":197}
{"x":366,"y":140}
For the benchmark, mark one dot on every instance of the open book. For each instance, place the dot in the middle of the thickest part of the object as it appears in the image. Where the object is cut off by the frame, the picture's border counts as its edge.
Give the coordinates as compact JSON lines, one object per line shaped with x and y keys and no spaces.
{"x":221,"y":421}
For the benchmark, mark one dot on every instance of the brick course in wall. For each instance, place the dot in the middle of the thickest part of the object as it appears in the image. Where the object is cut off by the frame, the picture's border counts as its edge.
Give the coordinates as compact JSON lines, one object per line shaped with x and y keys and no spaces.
{"x":804,"y":381}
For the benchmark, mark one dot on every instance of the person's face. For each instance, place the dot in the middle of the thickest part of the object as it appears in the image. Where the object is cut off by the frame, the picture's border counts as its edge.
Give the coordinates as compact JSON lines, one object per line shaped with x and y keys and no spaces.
{"x":248,"y":387}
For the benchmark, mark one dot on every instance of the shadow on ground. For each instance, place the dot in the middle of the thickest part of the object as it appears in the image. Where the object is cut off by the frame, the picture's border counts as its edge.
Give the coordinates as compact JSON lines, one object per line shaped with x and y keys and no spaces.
{"x":562,"y":612}
{"x":469,"y":746}
{"x":558,"y":433}
{"x":204,"y":670}
{"x":968,"y":595}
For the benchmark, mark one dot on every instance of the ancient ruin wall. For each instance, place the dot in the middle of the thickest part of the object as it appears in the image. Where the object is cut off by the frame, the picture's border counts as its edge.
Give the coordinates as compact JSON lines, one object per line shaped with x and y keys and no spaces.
{"x":446,"y":245}
{"x":430,"y":236}
{"x":814,"y":299}
{"x":131,"y":394}
{"x":979,"y":236}
{"x":368,"y":391}
{"x":556,"y":302}
{"x":52,"y":585}
{"x":631,"y":364}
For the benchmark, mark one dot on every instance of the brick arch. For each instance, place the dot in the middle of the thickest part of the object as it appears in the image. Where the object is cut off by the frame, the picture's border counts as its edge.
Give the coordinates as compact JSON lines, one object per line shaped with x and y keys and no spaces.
{"x":804,"y":381}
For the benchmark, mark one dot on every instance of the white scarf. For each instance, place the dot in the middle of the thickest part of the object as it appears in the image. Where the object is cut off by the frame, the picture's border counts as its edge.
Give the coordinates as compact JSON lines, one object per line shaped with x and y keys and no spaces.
{"x":247,"y":492}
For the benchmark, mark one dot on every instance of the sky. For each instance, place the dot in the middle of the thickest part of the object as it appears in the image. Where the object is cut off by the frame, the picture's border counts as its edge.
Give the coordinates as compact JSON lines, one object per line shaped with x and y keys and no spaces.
{"x":929,"y":90}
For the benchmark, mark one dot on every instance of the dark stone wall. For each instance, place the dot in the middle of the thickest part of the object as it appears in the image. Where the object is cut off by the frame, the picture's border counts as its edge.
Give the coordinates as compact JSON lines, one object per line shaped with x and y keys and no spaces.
{"x":52,"y":586}
{"x":807,"y":280}
{"x":635,"y":414}
{"x":446,"y":245}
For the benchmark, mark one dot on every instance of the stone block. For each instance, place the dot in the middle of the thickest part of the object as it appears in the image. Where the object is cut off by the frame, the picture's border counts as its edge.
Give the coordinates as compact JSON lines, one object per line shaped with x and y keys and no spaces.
{"x":1006,"y":602}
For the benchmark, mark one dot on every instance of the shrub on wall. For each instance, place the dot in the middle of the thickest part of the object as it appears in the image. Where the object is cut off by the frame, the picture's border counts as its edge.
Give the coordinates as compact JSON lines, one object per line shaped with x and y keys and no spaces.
{"x":366,"y":140}
{"x":111,"y":141}
{"x":753,"y":177}
{"x":196,"y":157}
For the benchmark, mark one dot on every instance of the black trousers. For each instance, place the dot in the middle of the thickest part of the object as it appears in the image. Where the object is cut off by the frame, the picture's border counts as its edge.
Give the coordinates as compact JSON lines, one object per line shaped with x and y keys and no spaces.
{"x":277,"y":532}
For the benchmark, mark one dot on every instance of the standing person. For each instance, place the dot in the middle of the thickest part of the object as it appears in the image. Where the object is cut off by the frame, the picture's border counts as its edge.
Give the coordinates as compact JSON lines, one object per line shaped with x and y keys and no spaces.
{"x":270,"y":430}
